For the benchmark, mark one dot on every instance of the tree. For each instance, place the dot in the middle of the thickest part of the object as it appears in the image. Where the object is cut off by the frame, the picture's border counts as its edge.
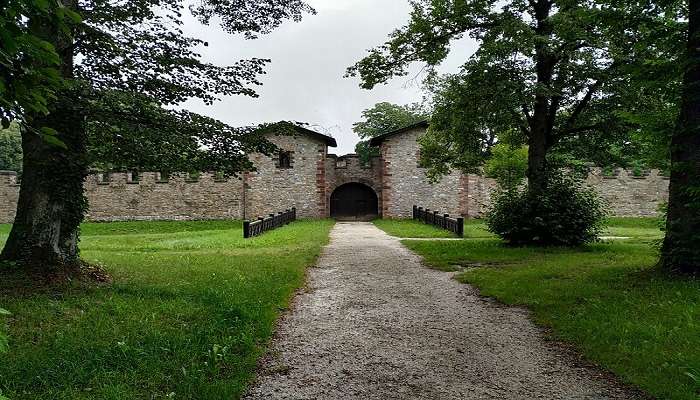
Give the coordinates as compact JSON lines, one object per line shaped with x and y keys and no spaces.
{"x":28,"y":65}
{"x":382,"y":118}
{"x":120,"y":57}
{"x":681,"y":247}
{"x":554,"y":70}
{"x":507,"y":165}
{"x":11,"y":149}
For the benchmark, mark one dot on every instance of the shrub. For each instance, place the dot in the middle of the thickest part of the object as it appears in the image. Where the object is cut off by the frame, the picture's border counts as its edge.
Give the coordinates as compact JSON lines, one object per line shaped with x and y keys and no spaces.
{"x":568,"y":214}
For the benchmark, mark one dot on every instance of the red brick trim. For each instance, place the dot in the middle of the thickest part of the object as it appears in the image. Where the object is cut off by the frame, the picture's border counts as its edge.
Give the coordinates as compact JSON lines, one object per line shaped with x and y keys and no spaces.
{"x":385,"y":180}
{"x":464,"y":195}
{"x":321,"y":188}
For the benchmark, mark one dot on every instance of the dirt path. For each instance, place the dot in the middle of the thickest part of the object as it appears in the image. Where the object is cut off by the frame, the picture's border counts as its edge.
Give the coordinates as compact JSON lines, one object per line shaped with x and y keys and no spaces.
{"x":376,"y":324}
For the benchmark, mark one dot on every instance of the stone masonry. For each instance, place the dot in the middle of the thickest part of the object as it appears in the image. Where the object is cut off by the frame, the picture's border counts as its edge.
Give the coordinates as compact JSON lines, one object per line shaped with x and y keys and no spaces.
{"x":306,"y":179}
{"x":405,"y":183}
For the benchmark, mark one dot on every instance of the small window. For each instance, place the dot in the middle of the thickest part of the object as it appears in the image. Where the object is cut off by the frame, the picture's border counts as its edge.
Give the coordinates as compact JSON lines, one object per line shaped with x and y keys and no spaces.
{"x":285,"y":160}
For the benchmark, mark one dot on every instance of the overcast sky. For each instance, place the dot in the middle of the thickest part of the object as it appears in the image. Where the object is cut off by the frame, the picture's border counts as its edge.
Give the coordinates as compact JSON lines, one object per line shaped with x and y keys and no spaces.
{"x":304,"y":81}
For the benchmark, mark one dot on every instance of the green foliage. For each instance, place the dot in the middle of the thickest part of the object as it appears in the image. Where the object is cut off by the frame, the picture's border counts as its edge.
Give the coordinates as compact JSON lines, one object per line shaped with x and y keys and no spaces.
{"x":189,"y":311}
{"x":566,"y":214}
{"x":383,"y":118}
{"x":123,"y":68}
{"x":596,"y":80}
{"x":123,"y":125}
{"x":507,"y":165}
{"x":11,"y":149}
{"x":468,"y":119}
{"x":29,"y":65}
{"x":137,"y":62}
{"x":603,"y":299}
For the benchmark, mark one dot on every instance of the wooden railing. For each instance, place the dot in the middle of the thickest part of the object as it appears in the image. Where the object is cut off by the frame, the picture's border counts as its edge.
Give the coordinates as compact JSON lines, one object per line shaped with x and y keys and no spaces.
{"x":443,"y":221}
{"x":264,"y":224}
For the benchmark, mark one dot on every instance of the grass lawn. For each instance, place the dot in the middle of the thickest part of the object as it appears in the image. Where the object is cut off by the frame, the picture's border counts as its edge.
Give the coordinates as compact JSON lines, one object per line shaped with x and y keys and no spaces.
{"x":408,"y":228}
{"x":603,"y":298}
{"x":187,"y":316}
{"x":642,"y":228}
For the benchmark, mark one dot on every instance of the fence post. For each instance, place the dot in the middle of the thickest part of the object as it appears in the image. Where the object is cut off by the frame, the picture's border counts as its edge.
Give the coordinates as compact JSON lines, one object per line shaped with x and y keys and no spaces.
{"x":444,"y":220}
{"x":294,"y":213}
{"x":460,"y":227}
{"x":415,"y":210}
{"x":435,"y":218}
{"x":246,"y":229}
{"x":426,"y":216}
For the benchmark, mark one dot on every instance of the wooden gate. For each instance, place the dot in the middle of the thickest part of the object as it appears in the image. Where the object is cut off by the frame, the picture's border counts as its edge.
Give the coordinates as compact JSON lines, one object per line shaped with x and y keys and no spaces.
{"x":354,"y":201}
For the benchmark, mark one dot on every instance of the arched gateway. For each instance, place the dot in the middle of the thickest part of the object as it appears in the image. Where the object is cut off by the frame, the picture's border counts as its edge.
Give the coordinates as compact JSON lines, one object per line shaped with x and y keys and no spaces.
{"x":354,"y":201}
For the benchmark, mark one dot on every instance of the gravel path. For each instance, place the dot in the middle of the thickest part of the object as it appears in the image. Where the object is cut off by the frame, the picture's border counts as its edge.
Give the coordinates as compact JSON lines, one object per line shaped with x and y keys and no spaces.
{"x":376,"y":324}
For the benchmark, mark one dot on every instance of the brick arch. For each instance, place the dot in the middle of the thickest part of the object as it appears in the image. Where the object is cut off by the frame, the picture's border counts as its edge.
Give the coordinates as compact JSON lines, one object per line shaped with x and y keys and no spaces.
{"x":354,"y":201}
{"x":375,"y":186}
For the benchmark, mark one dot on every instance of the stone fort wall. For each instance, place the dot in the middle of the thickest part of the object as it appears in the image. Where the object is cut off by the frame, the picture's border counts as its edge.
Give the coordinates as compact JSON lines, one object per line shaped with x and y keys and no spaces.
{"x":207,"y":197}
{"x":309,"y":182}
{"x":404,"y":184}
{"x":625,"y":194}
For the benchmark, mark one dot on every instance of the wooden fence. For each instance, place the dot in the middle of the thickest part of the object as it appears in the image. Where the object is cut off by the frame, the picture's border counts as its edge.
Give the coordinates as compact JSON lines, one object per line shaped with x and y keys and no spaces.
{"x":264,"y":224}
{"x":443,"y":221}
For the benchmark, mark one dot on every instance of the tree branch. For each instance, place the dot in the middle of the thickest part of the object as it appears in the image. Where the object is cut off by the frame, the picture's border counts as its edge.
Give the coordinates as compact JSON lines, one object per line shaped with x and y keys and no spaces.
{"x":583,"y":103}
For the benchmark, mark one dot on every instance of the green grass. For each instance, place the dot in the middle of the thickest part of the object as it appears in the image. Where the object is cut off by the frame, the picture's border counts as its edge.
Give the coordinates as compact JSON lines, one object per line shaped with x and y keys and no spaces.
{"x":407,"y":228}
{"x":187,"y":316}
{"x":643,"y":228}
{"x":604,"y":298}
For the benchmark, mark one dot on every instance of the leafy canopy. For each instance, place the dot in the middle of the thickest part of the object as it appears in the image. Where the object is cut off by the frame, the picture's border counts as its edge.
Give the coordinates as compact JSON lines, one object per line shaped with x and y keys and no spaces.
{"x":29,"y":73}
{"x":96,"y":51}
{"x":507,"y":165}
{"x":563,"y":71}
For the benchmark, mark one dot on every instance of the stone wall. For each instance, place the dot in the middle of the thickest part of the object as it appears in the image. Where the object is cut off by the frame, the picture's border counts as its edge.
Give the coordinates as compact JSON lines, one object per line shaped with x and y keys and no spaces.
{"x":347,"y":169}
{"x":479,"y":190}
{"x":629,"y":195}
{"x":311,"y":179}
{"x":624,"y":193}
{"x":404,"y":183}
{"x":151,"y":198}
{"x":271,"y":189}
{"x":9,"y":193}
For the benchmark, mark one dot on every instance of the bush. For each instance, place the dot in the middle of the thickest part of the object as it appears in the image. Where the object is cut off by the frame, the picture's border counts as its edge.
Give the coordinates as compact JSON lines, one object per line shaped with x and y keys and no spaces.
{"x":568,"y":214}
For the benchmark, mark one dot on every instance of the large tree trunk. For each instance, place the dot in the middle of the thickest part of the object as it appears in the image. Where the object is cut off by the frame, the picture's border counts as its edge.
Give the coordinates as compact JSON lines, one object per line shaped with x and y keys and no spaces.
{"x":51,"y":203}
{"x":540,"y":122}
{"x":681,"y":248}
{"x":51,"y":200}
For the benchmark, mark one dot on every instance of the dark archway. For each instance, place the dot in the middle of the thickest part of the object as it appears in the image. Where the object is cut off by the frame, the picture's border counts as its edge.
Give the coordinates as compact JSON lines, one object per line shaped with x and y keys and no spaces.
{"x":354,"y":201}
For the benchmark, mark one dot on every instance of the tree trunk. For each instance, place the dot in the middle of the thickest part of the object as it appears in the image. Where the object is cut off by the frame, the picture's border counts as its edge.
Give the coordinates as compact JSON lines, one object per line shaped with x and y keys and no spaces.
{"x":540,"y":127}
{"x":681,"y":248}
{"x":51,"y":202}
